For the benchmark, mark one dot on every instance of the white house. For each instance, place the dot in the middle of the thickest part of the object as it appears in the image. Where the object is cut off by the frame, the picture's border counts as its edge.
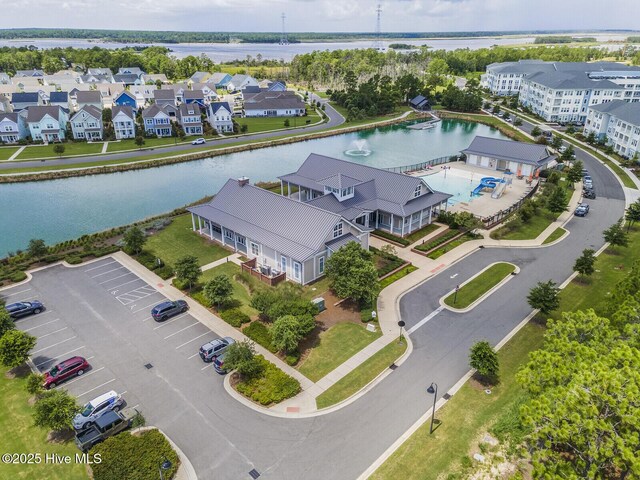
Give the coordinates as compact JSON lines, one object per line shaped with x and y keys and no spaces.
{"x":219,"y":115}
{"x":124,"y":122}
{"x":190,"y":118}
{"x":274,"y":104}
{"x":12,"y":127}
{"x":47,"y":123}
{"x":156,"y":120}
{"x":239,"y":82}
{"x":86,"y":124}
{"x":618,"y":123}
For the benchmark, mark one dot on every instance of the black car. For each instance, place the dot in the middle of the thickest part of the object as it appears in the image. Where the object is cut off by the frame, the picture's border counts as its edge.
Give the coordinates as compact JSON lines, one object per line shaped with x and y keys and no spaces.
{"x":22,"y":309}
{"x":168,"y":309}
{"x":589,"y":193}
{"x":582,"y":210}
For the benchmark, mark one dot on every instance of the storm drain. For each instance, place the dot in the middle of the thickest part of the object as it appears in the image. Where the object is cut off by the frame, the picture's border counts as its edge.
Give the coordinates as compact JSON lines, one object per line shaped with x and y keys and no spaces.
{"x":254,"y":474}
{"x":446,"y":396}
{"x":148,"y":366}
{"x":393,"y":366}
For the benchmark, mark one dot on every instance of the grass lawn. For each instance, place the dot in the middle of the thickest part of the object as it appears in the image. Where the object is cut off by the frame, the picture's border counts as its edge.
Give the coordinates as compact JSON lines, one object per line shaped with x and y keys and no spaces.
{"x":362,"y":375}
{"x":241,"y":295}
{"x":468,"y":414}
{"x":555,"y":235}
{"x":316,"y":288}
{"x":264,"y":124}
{"x":130,"y":144}
{"x":178,"y":239}
{"x":423,"y":232}
{"x":450,"y":246}
{"x":20,"y":436}
{"x":70,"y":148}
{"x":6,"y":152}
{"x":399,"y":110}
{"x":473,"y":290}
{"x":530,"y":230}
{"x":505,"y":128}
{"x":336,"y":345}
{"x":385,"y":282}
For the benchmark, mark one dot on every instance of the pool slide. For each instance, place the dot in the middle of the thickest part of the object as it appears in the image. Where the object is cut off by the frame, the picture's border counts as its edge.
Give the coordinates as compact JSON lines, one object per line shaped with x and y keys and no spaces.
{"x":487,"y":182}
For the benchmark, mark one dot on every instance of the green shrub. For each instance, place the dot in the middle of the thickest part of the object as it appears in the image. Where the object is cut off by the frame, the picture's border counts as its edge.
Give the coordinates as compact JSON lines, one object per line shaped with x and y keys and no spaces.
{"x":273,"y":386}
{"x":165,"y":272}
{"x":149,"y":260}
{"x":34,"y":383}
{"x":292,"y":358}
{"x":445,"y":237}
{"x":56,"y":257}
{"x":73,"y":259}
{"x":134,"y":457}
{"x":200,"y":298}
{"x":392,"y":237}
{"x":181,"y":284}
{"x":138,"y":420}
{"x":18,"y":276}
{"x":235,"y":317}
{"x":259,"y":333}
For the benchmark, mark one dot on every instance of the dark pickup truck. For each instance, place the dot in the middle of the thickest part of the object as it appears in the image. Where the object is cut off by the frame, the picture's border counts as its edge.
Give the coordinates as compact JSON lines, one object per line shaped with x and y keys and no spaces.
{"x":106,"y":426}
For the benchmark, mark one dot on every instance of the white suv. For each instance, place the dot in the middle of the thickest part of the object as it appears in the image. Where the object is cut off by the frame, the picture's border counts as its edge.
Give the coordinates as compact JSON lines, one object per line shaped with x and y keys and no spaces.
{"x":96,"y":408}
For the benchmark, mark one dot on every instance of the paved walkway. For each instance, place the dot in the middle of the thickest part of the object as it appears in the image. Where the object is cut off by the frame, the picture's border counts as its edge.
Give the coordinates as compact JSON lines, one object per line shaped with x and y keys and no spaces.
{"x":17,"y":152}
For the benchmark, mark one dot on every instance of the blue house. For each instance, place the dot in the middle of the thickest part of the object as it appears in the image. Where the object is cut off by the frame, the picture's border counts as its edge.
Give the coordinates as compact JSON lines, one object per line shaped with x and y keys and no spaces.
{"x":126,"y":98}
{"x":277,"y":86}
{"x":219,"y":79}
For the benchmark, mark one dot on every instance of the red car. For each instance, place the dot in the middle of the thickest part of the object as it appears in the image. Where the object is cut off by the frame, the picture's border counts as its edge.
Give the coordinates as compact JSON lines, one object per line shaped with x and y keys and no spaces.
{"x":62,"y":371}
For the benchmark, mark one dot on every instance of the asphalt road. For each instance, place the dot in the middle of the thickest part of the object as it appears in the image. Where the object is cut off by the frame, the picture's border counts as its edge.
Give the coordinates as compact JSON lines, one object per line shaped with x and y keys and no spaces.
{"x":225,"y":440}
{"x":335,"y":120}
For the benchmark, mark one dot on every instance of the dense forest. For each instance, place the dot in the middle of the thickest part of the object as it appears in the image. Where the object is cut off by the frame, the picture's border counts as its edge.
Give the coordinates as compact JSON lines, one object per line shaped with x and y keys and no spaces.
{"x":563,"y":39}
{"x":142,"y":36}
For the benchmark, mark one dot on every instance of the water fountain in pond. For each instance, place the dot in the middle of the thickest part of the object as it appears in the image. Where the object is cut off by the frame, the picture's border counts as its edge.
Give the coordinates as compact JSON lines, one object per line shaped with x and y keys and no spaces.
{"x":359,"y":148}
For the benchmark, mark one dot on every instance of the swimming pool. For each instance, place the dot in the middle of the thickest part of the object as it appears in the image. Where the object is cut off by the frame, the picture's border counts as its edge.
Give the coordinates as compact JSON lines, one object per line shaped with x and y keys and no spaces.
{"x":454,"y":182}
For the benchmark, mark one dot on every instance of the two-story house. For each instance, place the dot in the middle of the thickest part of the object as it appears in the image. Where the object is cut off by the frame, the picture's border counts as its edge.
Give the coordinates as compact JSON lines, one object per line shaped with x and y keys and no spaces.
{"x":47,"y":123}
{"x":219,"y":115}
{"x":126,"y":98}
{"x":156,"y":120}
{"x":190,"y":118}
{"x":123,"y":119}
{"x":13,"y":127}
{"x":86,"y":124}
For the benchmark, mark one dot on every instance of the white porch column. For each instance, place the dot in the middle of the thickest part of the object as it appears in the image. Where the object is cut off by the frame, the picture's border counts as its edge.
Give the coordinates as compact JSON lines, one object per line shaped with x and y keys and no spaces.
{"x":420,"y":224}
{"x":193,"y":221}
{"x":402,"y":227}
{"x":391,"y":228}
{"x":281,"y":187}
{"x":430,"y":213}
{"x":199,"y":224}
{"x":288,"y":189}
{"x":211,"y":229}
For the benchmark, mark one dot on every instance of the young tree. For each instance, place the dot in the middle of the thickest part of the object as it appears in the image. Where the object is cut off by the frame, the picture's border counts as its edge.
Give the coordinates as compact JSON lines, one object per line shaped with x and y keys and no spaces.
{"x":55,"y":410}
{"x":241,"y":356}
{"x":517,"y":122}
{"x":585,"y":263}
{"x":352,"y":273}
{"x":545,"y":296}
{"x":6,"y":322}
{"x":574,"y":175}
{"x":632,"y":214}
{"x":536,"y":132}
{"x":568,"y":154}
{"x":134,"y":240}
{"x":557,"y":201}
{"x":616,"y":235}
{"x":14,"y":347}
{"x":556,"y":142}
{"x":287,"y":331}
{"x":58,"y":149}
{"x":286,"y":122}
{"x":484,"y":359}
{"x":218,"y":290}
{"x":37,"y":248}
{"x":34,"y":383}
{"x":188,"y":270}
{"x":139,"y":141}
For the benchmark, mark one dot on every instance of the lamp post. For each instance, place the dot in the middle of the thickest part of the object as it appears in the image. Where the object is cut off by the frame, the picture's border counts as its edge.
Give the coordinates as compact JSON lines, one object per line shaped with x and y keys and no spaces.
{"x":400,"y":324}
{"x":455,"y":294}
{"x":165,"y":465}
{"x":433,"y":390}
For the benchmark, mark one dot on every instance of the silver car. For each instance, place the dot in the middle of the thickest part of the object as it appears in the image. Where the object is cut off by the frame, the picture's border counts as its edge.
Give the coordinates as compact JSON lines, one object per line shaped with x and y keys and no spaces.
{"x":96,"y":408}
{"x":209,"y":351}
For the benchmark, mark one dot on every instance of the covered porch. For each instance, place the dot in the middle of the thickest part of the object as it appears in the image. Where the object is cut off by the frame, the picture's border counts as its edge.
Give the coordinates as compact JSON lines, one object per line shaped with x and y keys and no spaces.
{"x":214,"y":231}
{"x":404,"y":225}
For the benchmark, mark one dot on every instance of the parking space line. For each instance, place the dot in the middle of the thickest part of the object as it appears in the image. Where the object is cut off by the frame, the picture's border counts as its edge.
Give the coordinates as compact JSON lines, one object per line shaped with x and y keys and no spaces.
{"x":46,"y":335}
{"x":205,"y":333}
{"x":163,"y":324}
{"x":122,"y":393}
{"x":100,"y":266}
{"x":208,"y":366}
{"x":29,"y":298}
{"x":95,"y":388}
{"x":194,"y":355}
{"x":61,"y":355}
{"x":130,"y":281}
{"x":108,"y":271}
{"x":84,"y":376}
{"x":17,"y":293}
{"x":148,"y":318}
{"x":143,"y":308}
{"x":181,"y":330}
{"x":55,"y":344}
{"x":41,"y":325}
{"x":114,"y":278}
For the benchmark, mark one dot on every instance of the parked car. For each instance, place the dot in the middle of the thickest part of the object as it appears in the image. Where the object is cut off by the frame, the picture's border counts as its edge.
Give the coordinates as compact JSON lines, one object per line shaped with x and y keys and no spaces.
{"x":585,"y":172}
{"x":168,"y":309}
{"x":96,"y":408}
{"x":199,"y":141}
{"x":582,"y":210}
{"x":71,"y":367}
{"x":211,"y":350}
{"x":587,"y":185}
{"x":587,"y":178}
{"x":22,"y":309}
{"x":106,"y":426}
{"x":562,"y":149}
{"x":589,"y":193}
{"x":218,"y":364}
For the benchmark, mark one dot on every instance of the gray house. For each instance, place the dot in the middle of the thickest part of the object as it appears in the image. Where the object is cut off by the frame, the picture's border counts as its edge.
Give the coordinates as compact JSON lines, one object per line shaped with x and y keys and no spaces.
{"x":278,"y":234}
{"x":369,"y":197}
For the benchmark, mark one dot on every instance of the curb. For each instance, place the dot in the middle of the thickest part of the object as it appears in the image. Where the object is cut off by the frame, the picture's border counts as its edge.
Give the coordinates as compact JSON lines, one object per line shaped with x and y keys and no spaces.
{"x":185,"y":470}
{"x":485,"y":295}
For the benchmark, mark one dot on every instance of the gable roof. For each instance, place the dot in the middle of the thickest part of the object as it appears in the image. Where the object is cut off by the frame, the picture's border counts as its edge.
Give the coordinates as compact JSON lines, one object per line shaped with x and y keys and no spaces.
{"x":219,"y":78}
{"x":569,"y":80}
{"x":274,"y":101}
{"x":91,"y":96}
{"x":295,"y":229}
{"x":194,"y":95}
{"x":374,"y":188}
{"x":215,"y":106}
{"x":129,"y":78}
{"x":189,"y":109}
{"x":11,"y":116}
{"x":95,"y":112}
{"x":127,"y":93}
{"x":164,"y":94}
{"x":58,"y":97}
{"x":37,"y":113}
{"x":528,"y":153}
{"x":125,"y":110}
{"x":153,"y":110}
{"x":625,"y":111}
{"x":199,"y":77}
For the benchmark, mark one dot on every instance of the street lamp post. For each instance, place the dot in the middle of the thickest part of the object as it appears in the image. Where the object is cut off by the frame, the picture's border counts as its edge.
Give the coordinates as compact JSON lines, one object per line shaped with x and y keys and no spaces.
{"x":165,"y":465}
{"x":433,"y":390}
{"x":400,"y":324}
{"x":455,"y":294}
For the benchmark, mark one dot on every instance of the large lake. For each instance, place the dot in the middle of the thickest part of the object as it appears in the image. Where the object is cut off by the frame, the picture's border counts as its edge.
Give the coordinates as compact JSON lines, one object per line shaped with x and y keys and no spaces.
{"x":58,"y":210}
{"x":221,"y":52}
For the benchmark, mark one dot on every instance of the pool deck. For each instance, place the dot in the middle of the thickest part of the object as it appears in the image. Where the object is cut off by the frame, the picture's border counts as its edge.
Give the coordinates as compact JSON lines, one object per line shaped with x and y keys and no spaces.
{"x":483,"y":205}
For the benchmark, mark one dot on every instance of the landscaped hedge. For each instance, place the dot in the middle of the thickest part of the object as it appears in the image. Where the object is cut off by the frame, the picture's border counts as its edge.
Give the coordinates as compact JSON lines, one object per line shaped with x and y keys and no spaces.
{"x":73,"y":259}
{"x":165,"y":272}
{"x":235,"y":317}
{"x":18,"y":276}
{"x":134,"y":457}
{"x":391,"y":261}
{"x":273,"y":386}
{"x":448,"y":235}
{"x":259,"y":333}
{"x":392,"y":237}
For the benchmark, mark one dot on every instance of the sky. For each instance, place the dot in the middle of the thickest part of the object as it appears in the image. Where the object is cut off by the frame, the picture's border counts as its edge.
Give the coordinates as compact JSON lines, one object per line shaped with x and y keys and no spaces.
{"x":322,"y":15}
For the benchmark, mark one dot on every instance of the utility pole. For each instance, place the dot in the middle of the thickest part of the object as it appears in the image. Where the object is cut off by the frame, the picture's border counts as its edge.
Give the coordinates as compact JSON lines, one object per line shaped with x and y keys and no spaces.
{"x":283,"y":37}
{"x":377,"y":44}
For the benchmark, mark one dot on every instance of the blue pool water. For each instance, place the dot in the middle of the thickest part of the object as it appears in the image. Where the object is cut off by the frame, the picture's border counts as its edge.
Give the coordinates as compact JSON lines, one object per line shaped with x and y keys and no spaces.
{"x":453,"y":183}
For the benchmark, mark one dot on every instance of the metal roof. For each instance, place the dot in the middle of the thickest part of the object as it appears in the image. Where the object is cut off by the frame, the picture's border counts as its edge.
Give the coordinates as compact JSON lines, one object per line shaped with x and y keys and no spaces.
{"x":529,"y":153}
{"x":340,"y":242}
{"x":571,"y":80}
{"x":58,"y":97}
{"x":622,"y":110}
{"x":295,"y":229}
{"x":124,"y":109}
{"x":17,"y":97}
{"x":215,"y":106}
{"x":339,"y":181}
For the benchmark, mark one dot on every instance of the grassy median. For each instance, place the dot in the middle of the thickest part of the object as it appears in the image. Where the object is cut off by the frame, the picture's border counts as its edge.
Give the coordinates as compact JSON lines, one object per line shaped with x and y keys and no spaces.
{"x":555,"y":235}
{"x":476,"y":288}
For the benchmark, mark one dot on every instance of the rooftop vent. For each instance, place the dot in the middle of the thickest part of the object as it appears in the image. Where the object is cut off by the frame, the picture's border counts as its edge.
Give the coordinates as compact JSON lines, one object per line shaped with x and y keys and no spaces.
{"x":242,"y":181}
